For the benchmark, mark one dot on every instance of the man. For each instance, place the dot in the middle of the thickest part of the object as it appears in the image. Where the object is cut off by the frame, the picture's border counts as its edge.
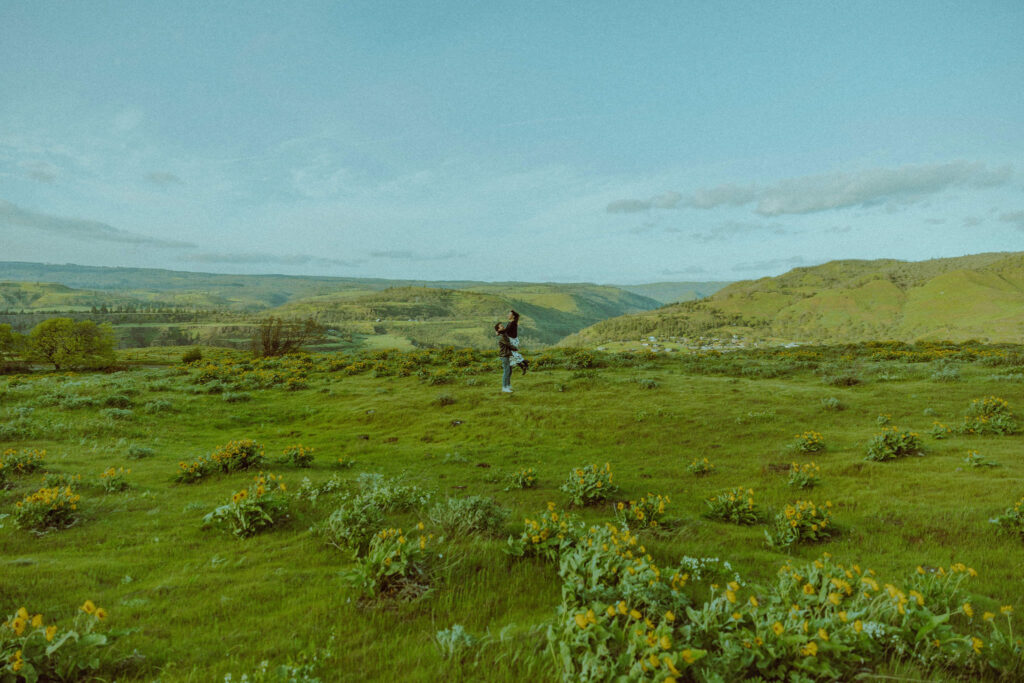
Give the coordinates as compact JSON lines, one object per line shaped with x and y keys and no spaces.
{"x":505,"y":353}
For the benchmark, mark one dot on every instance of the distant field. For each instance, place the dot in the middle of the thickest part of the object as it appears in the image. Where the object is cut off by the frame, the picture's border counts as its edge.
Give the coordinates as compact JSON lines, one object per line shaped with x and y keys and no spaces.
{"x":204,"y":604}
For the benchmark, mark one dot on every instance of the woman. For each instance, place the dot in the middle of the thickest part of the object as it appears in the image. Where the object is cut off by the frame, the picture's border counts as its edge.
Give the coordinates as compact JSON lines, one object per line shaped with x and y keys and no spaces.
{"x":512,"y":332}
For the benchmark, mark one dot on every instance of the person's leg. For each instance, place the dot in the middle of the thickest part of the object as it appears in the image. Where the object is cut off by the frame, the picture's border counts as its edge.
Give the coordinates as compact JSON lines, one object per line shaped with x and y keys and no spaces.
{"x":506,"y":374}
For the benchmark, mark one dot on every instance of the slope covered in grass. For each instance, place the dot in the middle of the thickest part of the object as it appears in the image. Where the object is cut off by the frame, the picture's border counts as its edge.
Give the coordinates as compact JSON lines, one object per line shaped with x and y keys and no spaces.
{"x":971,"y":297}
{"x":204,"y":604}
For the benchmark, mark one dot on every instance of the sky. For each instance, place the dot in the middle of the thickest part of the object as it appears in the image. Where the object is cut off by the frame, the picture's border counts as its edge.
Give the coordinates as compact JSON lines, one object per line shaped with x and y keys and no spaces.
{"x":603,"y":141}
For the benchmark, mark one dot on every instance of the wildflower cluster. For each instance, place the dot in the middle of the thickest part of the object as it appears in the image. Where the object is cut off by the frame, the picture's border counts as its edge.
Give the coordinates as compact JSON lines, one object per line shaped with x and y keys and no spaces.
{"x":297,"y":455}
{"x":26,"y":461}
{"x":61,"y":479}
{"x":394,"y":566}
{"x":991,"y":415}
{"x":589,"y":484}
{"x":809,"y":442}
{"x":248,"y":374}
{"x":892,"y":443}
{"x":231,"y":457}
{"x":976,"y":459}
{"x":645,"y":512}
{"x":1012,"y":519}
{"x":700,"y":467}
{"x":47,"y":508}
{"x":804,"y":476}
{"x":736,"y":506}
{"x":546,"y":534}
{"x":524,"y":478}
{"x":115,"y":480}
{"x":940,"y":430}
{"x":801,"y":522}
{"x":32,"y":650}
{"x":353,"y":525}
{"x":251,"y":510}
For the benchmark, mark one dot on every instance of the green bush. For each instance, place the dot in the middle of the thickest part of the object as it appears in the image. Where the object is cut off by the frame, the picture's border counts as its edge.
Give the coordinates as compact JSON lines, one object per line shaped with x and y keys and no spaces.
{"x":394,"y":566}
{"x":251,"y":510}
{"x":735,"y":506}
{"x":801,"y":522}
{"x":590,"y":484}
{"x":470,"y":515}
{"x":892,"y":443}
{"x":353,"y":525}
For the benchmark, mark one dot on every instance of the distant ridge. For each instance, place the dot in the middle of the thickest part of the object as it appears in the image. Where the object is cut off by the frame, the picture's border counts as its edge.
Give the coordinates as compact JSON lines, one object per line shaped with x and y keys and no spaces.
{"x":979,"y":296}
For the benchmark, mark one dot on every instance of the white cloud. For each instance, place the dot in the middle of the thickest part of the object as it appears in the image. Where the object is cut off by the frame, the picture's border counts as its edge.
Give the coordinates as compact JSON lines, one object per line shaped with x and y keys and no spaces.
{"x":667,"y":200}
{"x":1015,"y":218}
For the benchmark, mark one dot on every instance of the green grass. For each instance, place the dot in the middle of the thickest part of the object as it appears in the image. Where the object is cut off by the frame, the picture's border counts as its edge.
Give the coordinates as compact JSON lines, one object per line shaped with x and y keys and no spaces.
{"x":205,"y":604}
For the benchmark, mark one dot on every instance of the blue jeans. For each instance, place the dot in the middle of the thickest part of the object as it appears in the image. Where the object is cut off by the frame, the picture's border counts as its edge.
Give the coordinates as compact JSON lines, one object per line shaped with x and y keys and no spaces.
{"x":506,"y":372}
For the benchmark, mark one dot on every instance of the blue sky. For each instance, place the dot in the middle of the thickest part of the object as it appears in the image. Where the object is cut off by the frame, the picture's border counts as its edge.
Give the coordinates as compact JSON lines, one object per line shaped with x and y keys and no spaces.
{"x":612,"y":142}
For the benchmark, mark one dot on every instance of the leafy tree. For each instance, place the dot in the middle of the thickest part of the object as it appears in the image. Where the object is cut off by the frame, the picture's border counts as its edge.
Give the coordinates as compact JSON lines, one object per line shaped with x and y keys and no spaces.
{"x":11,"y":343}
{"x":277,"y":337}
{"x":64,"y":342}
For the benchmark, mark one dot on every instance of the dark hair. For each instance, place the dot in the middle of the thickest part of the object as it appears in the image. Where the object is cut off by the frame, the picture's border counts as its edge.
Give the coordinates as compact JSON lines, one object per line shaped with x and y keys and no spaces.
{"x":515,"y":316}
{"x":497,"y":327}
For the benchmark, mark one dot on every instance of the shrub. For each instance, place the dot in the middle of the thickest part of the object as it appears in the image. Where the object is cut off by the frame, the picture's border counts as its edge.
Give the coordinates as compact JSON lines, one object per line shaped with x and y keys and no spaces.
{"x":589,"y":484}
{"x":803,"y":476}
{"x":1012,"y":519}
{"x":117,"y":413}
{"x":238,"y":455}
{"x":47,"y":508}
{"x":841,"y":380}
{"x":940,"y":431}
{"x":801,"y":522}
{"x":193,"y":355}
{"x":158,"y":406}
{"x":117,"y":401}
{"x":139,"y":452}
{"x":892,"y":443}
{"x":191,"y":472}
{"x":524,"y":478}
{"x":647,"y":383}
{"x":60,"y":480}
{"x":647,"y":511}
{"x":77,"y":402}
{"x":546,"y":534}
{"x":700,"y":467}
{"x":27,"y":461}
{"x":298,"y":456}
{"x":736,"y":506}
{"x":991,"y":415}
{"x":115,"y":480}
{"x":976,"y":459}
{"x":579,"y":359}
{"x":393,"y":566}
{"x":31,"y":650}
{"x":946,"y":373}
{"x":809,"y":442}
{"x":469,"y":515}
{"x":391,"y":495}
{"x":353,"y":525}
{"x":260,"y":506}
{"x":236,"y":396}
{"x":444,"y":400}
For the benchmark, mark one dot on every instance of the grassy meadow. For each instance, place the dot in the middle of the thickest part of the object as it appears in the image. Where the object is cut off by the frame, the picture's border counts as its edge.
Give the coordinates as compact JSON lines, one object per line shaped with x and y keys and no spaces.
{"x":201,"y":603}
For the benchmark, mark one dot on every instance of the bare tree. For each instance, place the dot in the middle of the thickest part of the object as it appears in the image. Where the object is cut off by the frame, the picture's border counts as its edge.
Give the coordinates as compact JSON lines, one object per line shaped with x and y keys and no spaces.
{"x":277,"y":336}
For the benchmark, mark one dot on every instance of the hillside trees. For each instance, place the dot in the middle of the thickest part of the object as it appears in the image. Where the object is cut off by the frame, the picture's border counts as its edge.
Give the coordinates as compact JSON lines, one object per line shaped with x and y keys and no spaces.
{"x":11,"y":343}
{"x":64,"y":342}
{"x":277,"y":336}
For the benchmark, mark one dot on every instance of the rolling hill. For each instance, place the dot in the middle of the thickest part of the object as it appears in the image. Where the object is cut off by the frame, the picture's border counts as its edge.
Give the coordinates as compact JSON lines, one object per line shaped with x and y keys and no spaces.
{"x":971,"y":297}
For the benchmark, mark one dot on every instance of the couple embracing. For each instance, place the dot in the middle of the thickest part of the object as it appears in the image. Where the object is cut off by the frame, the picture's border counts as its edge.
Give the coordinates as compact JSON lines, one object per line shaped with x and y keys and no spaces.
{"x":508,"y":350}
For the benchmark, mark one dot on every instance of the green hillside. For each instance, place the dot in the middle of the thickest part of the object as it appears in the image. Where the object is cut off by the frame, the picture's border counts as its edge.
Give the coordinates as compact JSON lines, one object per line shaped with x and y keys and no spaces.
{"x":674,"y":292}
{"x":971,"y":297}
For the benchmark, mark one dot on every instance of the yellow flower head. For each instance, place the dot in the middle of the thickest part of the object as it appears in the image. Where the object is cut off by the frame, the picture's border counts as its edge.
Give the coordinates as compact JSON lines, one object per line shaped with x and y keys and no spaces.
{"x":101,"y":613}
{"x":88,"y":607}
{"x":778,"y":628}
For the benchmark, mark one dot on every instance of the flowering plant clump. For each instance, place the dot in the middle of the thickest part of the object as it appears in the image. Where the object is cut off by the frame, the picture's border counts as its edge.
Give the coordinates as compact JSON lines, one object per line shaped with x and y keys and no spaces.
{"x":26,"y":461}
{"x":546,"y":534}
{"x":976,"y":459}
{"x":394,"y":566}
{"x":262,"y":505}
{"x":804,"y":476}
{"x":61,"y":479}
{"x":642,"y":513}
{"x":32,"y":650}
{"x":991,"y":415}
{"x":469,"y":515}
{"x":115,"y":480}
{"x":700,"y":467}
{"x":191,"y":472}
{"x":809,"y":442}
{"x":940,"y":431}
{"x":801,"y":522}
{"x":524,"y":478}
{"x":298,"y":455}
{"x":892,"y":443}
{"x":47,"y":508}
{"x":238,"y":455}
{"x":736,"y":506}
{"x":1012,"y":519}
{"x":589,"y":484}
{"x":354,"y":525}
